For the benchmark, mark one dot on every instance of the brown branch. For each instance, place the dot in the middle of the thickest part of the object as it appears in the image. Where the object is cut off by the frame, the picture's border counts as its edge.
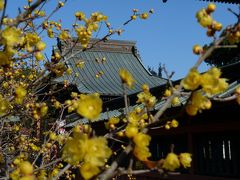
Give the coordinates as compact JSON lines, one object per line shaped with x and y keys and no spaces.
{"x":21,"y":17}
{"x":233,"y":97}
{"x":62,"y":171}
{"x":110,"y":172}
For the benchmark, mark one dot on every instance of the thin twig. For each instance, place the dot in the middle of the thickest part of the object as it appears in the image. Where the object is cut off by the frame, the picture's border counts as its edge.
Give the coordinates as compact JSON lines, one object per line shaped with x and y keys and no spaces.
{"x":233,"y":97}
{"x":62,"y":171}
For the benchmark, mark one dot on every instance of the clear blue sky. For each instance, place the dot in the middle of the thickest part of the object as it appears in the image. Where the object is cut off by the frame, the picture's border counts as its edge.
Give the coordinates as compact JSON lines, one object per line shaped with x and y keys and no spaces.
{"x":166,"y":37}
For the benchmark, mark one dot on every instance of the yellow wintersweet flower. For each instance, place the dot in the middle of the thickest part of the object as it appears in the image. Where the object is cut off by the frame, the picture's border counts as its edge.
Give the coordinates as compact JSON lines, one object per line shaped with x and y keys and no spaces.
{"x":111,"y":122}
{"x":40,"y":46}
{"x":11,"y":36}
{"x":198,"y":103}
{"x":142,"y":153}
{"x":31,"y":39}
{"x":20,"y":92}
{"x":15,"y":175}
{"x":147,"y":99}
{"x":133,"y":118}
{"x":42,"y":175}
{"x":4,"y":58}
{"x":26,"y":168}
{"x":185,"y":159}
{"x":64,"y":35}
{"x":142,"y":142}
{"x":167,"y":93}
{"x":114,"y":120}
{"x":191,"y":110}
{"x":175,"y":101}
{"x":142,"y":139}
{"x":96,"y":151}
{"x":171,"y":162}
{"x":1,"y":4}
{"x":192,"y":80}
{"x":174,"y":123}
{"x":126,"y":77}
{"x":80,"y":148}
{"x":212,"y":83}
{"x":144,"y":15}
{"x":131,"y":131}
{"x":89,"y":106}
{"x":4,"y":105}
{"x":88,"y":170}
{"x":73,"y":151}
{"x":80,"y":15}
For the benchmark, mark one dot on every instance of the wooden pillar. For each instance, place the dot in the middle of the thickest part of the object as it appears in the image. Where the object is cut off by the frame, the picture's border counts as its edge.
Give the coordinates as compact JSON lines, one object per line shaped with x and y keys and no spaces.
{"x":190,"y":150}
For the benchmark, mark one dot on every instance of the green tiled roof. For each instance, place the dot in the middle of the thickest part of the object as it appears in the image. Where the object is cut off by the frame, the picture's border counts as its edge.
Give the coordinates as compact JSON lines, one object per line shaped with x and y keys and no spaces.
{"x":109,"y":83}
{"x":74,"y":119}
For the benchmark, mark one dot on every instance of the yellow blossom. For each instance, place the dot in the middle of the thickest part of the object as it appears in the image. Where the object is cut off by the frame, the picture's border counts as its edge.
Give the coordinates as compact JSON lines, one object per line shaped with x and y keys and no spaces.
{"x":126,"y":77}
{"x":52,"y":136}
{"x":171,"y":162}
{"x":167,"y":93}
{"x":64,"y":35}
{"x":96,"y":151}
{"x":131,"y":131}
{"x":142,"y":153}
{"x":27,"y":178}
{"x":141,"y":150}
{"x":5,"y":59}
{"x":40,"y":46}
{"x":26,"y":168}
{"x":141,"y":139}
{"x":114,"y":120}
{"x":175,"y":101}
{"x":80,"y":15}
{"x":60,"y":4}
{"x":92,"y":151}
{"x":1,"y":4}
{"x":185,"y":159}
{"x":192,"y":80}
{"x":57,"y":104}
{"x":204,"y":18}
{"x":42,"y":175}
{"x":111,"y":122}
{"x":11,"y":36}
{"x":69,"y":71}
{"x":88,"y":171}
{"x":20,"y":92}
{"x":15,"y":175}
{"x":39,"y":56}
{"x":43,"y":109}
{"x":174,"y":123}
{"x":50,"y":33}
{"x":31,"y":39}
{"x":144,"y":15}
{"x":133,"y":118}
{"x":198,"y":103}
{"x":147,"y":99}
{"x":89,"y":106}
{"x":73,"y":150}
{"x":4,"y":105}
{"x":212,"y":83}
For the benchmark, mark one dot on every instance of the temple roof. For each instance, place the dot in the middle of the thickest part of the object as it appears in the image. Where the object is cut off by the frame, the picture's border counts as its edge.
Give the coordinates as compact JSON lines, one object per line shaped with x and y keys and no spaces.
{"x":74,"y":119}
{"x":117,"y":54}
{"x":225,"y":1}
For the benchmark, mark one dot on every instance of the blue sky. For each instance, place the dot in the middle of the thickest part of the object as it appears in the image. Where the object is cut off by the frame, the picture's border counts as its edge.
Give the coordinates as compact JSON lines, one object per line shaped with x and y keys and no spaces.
{"x":166,"y":37}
